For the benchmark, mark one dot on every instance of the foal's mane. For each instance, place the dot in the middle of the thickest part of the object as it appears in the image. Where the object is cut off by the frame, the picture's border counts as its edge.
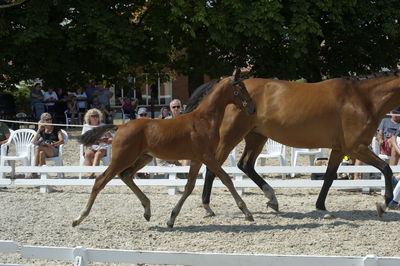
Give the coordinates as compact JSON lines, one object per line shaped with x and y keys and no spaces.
{"x":375,"y":75}
{"x":198,"y":95}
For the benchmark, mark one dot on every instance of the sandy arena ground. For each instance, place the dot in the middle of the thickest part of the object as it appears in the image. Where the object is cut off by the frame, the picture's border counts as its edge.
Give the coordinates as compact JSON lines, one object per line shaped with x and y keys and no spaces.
{"x":116,"y":221}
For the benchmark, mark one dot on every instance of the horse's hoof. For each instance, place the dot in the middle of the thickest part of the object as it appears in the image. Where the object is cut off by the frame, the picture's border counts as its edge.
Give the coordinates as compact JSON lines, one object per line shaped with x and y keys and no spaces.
{"x":380,"y":208}
{"x":147,"y":216}
{"x":273,"y":205}
{"x":320,"y":207}
{"x":209,"y":214}
{"x":75,"y":223}
{"x":249,"y":218}
{"x":170,"y":225}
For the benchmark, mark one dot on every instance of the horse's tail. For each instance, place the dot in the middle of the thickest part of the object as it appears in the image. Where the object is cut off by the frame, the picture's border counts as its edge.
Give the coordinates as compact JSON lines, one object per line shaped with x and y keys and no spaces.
{"x":92,"y":136}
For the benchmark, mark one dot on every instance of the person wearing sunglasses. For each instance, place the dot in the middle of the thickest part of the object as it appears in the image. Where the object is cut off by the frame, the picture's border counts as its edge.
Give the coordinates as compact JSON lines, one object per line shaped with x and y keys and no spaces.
{"x":46,"y":140}
{"x":175,"y":107}
{"x":93,"y":154}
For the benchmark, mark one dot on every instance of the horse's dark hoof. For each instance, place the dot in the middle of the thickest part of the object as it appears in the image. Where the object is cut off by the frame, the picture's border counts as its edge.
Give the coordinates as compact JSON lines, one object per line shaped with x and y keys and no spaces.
{"x":249,"y":218}
{"x":273,"y":205}
{"x":170,"y":225}
{"x":320,"y":207}
{"x":75,"y":223}
{"x":147,"y":217}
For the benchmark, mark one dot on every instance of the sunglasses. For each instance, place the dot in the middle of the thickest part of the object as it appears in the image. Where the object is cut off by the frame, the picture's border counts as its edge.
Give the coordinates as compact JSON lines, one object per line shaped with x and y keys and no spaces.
{"x":176,"y":106}
{"x":143,"y":115}
{"x":95,"y":116}
{"x":48,"y":119}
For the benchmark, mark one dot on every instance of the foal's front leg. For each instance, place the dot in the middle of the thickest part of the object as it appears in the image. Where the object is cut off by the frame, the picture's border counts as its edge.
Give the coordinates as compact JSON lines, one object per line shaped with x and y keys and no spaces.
{"x":226,"y":180}
{"x":191,"y":181}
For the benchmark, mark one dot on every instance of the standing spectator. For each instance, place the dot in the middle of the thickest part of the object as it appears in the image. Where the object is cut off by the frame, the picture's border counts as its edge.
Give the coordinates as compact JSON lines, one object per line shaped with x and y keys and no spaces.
{"x":61,"y":105}
{"x":93,"y":154}
{"x":82,"y":103}
{"x":47,"y":139}
{"x":91,"y":91}
{"x":50,"y":98}
{"x":105,"y":96}
{"x":73,"y":109}
{"x":4,"y":133}
{"x":129,"y":106}
{"x":36,"y":98}
{"x":164,"y":113}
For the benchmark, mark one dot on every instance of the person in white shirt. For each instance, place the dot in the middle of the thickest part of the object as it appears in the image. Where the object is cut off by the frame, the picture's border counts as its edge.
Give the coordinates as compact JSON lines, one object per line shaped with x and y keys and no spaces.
{"x":81,"y":98}
{"x":49,"y":98}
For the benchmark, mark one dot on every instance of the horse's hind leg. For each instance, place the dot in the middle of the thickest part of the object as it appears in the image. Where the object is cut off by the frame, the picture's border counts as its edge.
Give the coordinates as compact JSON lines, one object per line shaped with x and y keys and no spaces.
{"x":333,"y":164}
{"x":100,"y":182}
{"x":226,"y":180}
{"x":367,"y":156}
{"x":191,"y":181}
{"x":254,"y":145}
{"x":127,"y":177}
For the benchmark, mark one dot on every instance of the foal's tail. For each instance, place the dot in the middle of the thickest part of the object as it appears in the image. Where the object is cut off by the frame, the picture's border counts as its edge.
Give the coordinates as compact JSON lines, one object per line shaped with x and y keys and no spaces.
{"x":93,"y":135}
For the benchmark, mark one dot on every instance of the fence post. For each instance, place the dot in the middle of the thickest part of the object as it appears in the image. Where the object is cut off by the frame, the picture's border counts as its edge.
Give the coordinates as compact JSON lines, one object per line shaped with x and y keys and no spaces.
{"x":43,"y":188}
{"x":80,"y":255}
{"x":370,"y":260}
{"x":239,"y":177}
{"x":172,"y":190}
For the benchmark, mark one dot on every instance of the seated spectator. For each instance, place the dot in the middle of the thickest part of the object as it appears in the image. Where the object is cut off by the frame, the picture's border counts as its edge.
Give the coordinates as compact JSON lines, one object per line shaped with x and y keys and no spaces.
{"x":4,"y":133}
{"x":129,"y":106}
{"x":175,"y":107}
{"x":47,"y":139}
{"x":36,"y":97}
{"x":93,"y":154}
{"x":98,"y":105}
{"x":142,"y":113}
{"x":82,"y":103}
{"x":164,"y":113}
{"x":50,"y":98}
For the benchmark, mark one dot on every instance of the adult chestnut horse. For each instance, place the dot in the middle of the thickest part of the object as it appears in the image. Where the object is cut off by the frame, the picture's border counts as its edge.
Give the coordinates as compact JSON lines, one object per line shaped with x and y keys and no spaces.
{"x":341,"y":114}
{"x":192,"y":136}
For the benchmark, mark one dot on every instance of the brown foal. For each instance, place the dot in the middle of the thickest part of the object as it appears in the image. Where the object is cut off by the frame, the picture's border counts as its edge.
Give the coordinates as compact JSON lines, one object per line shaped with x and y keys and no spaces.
{"x":340,"y":114}
{"x":192,"y":136}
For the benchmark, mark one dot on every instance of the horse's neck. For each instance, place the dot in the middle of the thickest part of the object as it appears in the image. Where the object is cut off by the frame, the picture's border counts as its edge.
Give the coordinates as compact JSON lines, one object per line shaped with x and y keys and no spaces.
{"x":213,"y":106}
{"x":384,"y":93}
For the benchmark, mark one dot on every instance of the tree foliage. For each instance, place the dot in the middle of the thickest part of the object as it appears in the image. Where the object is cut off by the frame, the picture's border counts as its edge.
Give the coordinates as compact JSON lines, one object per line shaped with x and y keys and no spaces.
{"x":69,"y":42}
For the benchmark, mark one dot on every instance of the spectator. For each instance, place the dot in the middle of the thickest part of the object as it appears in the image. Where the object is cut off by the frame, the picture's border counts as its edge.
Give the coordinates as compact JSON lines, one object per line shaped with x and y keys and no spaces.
{"x":164,"y":113}
{"x":82,"y":103}
{"x":175,"y":107}
{"x":91,"y":91}
{"x":73,"y":110}
{"x":50,"y":98}
{"x":36,"y":97}
{"x":129,"y":106}
{"x":387,"y":128}
{"x":47,"y":139}
{"x":94,"y":153}
{"x":96,"y":104}
{"x":4,"y":133}
{"x":142,"y":113}
{"x":61,"y":105}
{"x":105,"y":96}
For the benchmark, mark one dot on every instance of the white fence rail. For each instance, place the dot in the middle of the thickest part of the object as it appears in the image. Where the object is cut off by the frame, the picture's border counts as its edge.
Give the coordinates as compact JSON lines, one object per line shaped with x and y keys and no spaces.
{"x":83,"y":256}
{"x":172,"y":182}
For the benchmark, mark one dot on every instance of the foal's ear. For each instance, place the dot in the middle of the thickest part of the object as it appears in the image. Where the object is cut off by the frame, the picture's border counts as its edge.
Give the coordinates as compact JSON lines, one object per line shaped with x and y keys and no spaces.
{"x":236,"y":74}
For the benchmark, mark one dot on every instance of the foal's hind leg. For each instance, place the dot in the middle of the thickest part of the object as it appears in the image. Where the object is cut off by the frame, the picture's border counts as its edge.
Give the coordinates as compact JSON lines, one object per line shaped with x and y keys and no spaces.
{"x":191,"y":181}
{"x":100,"y":182}
{"x":127,"y":177}
{"x":226,"y":180}
{"x":254,"y":145}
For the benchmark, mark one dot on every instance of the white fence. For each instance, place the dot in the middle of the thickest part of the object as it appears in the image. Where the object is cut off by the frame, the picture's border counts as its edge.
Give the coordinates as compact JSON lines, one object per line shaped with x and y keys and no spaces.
{"x":83,"y":256}
{"x":172,"y":182}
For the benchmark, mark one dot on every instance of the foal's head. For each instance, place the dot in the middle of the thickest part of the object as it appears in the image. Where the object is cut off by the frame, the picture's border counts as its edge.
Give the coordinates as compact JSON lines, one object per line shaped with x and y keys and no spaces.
{"x":241,"y":97}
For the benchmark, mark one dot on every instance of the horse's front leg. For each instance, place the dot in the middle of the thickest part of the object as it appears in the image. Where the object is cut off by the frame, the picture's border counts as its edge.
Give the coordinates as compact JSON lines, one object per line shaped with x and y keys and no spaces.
{"x":191,"y":182}
{"x":254,"y":145}
{"x":127,"y":177}
{"x":226,"y":180}
{"x":333,"y":164}
{"x":100,"y":182}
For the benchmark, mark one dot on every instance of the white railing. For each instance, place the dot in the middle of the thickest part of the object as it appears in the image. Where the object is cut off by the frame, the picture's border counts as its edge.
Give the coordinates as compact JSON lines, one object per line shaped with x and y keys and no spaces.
{"x":172,"y":182}
{"x":82,"y":256}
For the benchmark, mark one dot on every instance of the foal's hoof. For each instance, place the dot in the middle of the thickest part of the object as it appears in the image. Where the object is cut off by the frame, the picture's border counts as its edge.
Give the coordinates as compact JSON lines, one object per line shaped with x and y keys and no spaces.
{"x":170,"y":225}
{"x":75,"y":223}
{"x":147,"y":216}
{"x":273,"y":205}
{"x":249,"y":218}
{"x":380,"y":208}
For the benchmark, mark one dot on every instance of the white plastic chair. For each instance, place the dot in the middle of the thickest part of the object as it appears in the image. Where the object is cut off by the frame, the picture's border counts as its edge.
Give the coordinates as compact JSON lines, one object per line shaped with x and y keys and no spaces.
{"x":59,"y":159}
{"x":21,"y":139}
{"x":377,"y":150}
{"x":312,"y":153}
{"x":274,"y":149}
{"x":105,"y":160}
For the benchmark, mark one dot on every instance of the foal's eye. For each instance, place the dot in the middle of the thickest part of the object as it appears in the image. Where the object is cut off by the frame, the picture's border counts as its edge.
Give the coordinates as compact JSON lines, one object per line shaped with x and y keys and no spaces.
{"x":236,"y":93}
